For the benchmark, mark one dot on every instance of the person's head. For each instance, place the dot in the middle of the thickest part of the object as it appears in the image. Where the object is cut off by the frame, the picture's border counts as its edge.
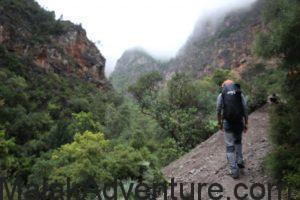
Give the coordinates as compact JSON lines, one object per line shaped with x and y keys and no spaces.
{"x":227,"y":82}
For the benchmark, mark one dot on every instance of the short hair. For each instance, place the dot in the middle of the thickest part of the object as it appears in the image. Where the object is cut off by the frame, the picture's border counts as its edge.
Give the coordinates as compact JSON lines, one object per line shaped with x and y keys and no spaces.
{"x":227,"y":82}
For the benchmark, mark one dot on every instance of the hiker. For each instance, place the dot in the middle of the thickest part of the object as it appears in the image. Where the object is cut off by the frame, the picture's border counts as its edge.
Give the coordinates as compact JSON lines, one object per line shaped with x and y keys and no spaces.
{"x":273,"y":99}
{"x":233,"y":120}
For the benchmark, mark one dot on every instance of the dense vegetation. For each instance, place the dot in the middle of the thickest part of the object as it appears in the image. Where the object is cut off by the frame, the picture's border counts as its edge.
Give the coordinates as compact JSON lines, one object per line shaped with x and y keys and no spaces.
{"x":54,"y":126}
{"x":43,"y":116}
{"x":182,"y":108}
{"x":50,"y":122}
{"x":282,"y":39}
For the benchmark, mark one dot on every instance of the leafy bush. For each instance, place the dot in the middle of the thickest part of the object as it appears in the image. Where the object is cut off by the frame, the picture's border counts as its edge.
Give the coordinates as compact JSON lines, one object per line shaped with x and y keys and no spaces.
{"x":90,"y":156}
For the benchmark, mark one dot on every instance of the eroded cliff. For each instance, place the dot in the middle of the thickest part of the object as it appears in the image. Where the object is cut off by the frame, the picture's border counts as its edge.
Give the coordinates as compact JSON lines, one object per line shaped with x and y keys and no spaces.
{"x":59,"y":46}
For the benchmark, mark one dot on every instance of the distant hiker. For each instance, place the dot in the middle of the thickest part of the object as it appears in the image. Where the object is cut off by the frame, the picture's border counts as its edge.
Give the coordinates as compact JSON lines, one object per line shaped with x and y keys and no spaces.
{"x":233,"y":119}
{"x":273,"y":99}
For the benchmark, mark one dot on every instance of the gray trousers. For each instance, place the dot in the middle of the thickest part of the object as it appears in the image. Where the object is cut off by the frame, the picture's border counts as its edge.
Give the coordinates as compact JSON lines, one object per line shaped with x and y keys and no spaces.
{"x":233,"y":142}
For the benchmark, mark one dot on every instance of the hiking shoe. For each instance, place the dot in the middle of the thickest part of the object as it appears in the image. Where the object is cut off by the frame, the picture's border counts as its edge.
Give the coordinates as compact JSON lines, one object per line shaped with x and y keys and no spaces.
{"x":235,"y":174}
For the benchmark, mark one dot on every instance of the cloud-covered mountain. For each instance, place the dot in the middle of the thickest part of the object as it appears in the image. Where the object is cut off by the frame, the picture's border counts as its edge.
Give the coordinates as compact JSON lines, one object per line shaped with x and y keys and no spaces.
{"x":221,"y":41}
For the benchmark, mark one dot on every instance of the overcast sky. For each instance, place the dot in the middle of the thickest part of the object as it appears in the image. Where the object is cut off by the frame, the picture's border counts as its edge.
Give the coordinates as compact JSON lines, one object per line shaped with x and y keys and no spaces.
{"x":159,"y":26}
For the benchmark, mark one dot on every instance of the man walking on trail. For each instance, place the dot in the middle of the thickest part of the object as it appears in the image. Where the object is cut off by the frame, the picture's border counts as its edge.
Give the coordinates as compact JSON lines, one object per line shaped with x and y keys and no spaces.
{"x":233,"y":119}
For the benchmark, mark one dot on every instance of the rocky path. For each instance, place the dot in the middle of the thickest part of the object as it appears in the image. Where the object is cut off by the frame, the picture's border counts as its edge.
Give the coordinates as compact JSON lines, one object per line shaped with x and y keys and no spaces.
{"x":207,"y":163}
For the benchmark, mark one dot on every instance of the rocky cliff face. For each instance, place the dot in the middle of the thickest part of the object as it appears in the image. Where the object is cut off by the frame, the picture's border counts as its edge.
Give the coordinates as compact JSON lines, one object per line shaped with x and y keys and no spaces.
{"x":222,"y":43}
{"x":53,"y":45}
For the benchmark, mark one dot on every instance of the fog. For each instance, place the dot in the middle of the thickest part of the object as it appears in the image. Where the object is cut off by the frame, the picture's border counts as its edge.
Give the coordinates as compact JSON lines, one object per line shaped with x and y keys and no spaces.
{"x":160,"y":27}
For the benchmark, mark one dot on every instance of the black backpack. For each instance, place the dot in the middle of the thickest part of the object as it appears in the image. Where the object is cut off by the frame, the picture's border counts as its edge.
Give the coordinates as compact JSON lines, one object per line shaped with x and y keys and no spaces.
{"x":232,"y":103}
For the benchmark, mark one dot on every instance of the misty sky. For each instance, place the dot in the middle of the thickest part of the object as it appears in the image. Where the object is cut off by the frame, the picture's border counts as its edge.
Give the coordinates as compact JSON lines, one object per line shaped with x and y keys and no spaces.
{"x":159,"y":26}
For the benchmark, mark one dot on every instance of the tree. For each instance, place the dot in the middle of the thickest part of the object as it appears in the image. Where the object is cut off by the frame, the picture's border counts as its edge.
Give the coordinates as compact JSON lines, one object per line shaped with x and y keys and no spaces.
{"x":7,"y":160}
{"x":175,"y":107}
{"x":82,"y":122}
{"x":145,"y":90}
{"x":91,"y":157}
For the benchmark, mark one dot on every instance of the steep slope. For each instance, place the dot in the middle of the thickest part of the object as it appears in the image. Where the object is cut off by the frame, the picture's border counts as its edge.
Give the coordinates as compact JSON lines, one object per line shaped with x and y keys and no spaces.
{"x":132,"y":64}
{"x":30,"y":32}
{"x":207,"y":162}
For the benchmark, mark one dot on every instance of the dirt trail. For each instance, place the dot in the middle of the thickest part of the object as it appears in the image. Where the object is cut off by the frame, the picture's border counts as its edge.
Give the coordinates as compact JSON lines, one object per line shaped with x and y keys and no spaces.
{"x":207,"y":162}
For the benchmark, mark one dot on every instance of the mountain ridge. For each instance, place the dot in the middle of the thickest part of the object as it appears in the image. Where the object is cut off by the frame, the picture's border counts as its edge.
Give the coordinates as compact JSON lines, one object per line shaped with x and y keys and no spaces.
{"x":226,"y":44}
